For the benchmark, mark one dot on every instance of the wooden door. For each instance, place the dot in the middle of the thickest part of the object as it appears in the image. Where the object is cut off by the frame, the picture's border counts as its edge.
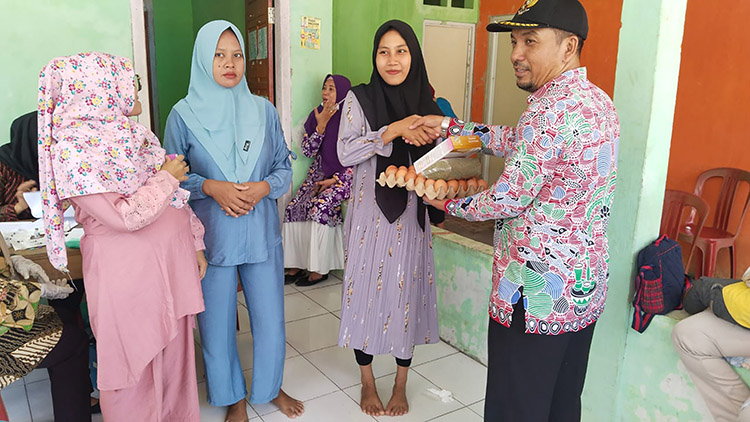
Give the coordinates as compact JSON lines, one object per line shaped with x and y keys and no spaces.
{"x":259,"y":55}
{"x":451,"y":79}
{"x":504,"y":101}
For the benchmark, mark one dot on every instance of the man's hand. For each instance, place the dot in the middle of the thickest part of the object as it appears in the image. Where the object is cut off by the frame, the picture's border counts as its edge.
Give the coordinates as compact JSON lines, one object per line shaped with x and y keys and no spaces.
{"x":437,"y":203}
{"x":229,"y":196}
{"x":21,"y":205}
{"x":324,"y":184}
{"x":418,"y":135}
{"x":432,"y":122}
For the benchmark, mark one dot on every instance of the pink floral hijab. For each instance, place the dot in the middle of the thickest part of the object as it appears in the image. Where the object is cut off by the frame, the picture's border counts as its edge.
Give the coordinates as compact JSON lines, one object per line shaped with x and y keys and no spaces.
{"x":87,"y":144}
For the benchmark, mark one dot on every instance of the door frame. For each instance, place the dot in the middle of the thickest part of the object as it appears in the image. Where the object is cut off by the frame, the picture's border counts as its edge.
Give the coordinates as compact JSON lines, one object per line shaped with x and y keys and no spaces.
{"x":469,"y":77}
{"x":283,"y":67}
{"x":489,"y":86}
{"x":283,"y":82}
{"x":141,"y":60}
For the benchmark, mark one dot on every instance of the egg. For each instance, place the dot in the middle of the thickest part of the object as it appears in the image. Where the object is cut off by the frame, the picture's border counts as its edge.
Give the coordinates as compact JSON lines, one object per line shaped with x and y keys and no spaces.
{"x":410,"y":179}
{"x":452,"y":188}
{"x":419,"y":185}
{"x":441,"y":187}
{"x":401,"y":176}
{"x":482,"y":185}
{"x":429,"y":188}
{"x":391,"y":170}
{"x":463,"y":187}
{"x":472,"y":185}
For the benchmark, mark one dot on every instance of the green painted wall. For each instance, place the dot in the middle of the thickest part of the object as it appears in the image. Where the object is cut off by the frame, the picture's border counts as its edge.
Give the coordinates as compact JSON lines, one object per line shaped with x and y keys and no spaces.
{"x":205,"y":11}
{"x":463,"y":279}
{"x":33,"y":32}
{"x":648,"y":65}
{"x":173,"y":41}
{"x":655,"y":385}
{"x":176,"y":22}
{"x":309,"y":67}
{"x":355,"y":23}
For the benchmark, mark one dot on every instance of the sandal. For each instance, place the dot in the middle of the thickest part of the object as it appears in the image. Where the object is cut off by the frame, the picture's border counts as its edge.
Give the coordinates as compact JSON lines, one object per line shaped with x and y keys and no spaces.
{"x":307,"y":282}
{"x":292,"y":278}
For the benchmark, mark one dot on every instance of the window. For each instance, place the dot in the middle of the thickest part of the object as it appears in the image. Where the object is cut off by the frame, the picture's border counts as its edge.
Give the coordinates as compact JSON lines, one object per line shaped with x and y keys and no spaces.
{"x":464,"y":4}
{"x":461,"y":4}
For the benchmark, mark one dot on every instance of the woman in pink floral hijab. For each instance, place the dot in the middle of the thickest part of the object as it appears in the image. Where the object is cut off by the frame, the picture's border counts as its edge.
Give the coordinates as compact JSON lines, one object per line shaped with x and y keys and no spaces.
{"x":142,"y":248}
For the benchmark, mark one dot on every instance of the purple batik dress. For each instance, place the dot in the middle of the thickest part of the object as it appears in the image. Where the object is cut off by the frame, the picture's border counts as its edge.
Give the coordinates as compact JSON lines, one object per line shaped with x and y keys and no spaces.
{"x":389,"y":303}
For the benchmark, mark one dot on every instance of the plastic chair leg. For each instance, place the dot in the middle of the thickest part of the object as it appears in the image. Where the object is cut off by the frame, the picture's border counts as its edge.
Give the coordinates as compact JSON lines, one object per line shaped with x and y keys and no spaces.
{"x":710,"y":260}
{"x":699,"y":262}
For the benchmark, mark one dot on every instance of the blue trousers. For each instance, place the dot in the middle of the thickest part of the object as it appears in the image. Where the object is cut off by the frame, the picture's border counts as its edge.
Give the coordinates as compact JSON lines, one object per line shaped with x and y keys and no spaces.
{"x":263,"y":286}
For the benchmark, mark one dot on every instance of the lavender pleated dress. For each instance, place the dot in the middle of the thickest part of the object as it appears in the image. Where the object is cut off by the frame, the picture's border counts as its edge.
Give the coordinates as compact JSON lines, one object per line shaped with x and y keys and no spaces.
{"x":389,"y":303}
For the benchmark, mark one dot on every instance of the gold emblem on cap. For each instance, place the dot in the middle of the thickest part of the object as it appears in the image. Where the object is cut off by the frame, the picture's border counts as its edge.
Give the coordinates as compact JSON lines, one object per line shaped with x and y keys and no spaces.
{"x":528,"y":4}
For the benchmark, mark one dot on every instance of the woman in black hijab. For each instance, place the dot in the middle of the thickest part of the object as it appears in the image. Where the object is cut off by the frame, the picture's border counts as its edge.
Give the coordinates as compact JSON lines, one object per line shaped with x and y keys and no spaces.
{"x":389,"y":301}
{"x":19,"y":168}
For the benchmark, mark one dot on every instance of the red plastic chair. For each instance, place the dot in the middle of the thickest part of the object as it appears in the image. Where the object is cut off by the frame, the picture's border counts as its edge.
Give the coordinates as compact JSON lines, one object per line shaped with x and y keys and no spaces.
{"x":674,"y":216}
{"x":718,"y":235}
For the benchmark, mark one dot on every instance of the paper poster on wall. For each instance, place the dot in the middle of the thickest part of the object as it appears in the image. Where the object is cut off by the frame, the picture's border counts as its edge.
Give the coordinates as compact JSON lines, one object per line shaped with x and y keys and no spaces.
{"x":262,"y":43}
{"x":252,"y":45}
{"x":310,"y":33}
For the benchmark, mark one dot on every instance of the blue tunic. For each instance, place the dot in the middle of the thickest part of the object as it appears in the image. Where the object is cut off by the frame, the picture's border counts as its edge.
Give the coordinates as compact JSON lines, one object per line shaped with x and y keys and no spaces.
{"x":248,"y":246}
{"x":249,"y":238}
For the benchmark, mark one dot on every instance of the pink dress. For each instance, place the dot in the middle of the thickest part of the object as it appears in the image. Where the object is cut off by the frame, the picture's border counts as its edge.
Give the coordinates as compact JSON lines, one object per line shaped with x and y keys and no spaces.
{"x":140,"y":273}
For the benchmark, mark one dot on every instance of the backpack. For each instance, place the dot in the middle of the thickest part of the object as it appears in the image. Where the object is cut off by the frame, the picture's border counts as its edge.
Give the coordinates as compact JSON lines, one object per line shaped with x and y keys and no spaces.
{"x":660,"y":282}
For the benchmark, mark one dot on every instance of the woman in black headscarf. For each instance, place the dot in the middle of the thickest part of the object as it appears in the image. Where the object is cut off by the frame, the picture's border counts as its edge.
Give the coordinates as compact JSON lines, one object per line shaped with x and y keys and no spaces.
{"x":389,"y":303}
{"x":19,"y":168}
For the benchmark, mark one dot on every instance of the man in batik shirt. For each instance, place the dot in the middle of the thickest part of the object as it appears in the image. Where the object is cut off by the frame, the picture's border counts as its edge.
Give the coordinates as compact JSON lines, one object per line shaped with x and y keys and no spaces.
{"x":551,"y":206}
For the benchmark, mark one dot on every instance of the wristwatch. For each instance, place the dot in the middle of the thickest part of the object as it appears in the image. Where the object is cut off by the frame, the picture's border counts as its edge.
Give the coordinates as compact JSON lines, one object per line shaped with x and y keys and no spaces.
{"x":444,"y":126}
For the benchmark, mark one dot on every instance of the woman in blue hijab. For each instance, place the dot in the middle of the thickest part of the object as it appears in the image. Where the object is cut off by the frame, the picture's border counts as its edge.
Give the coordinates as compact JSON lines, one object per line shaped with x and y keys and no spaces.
{"x":239,"y":166}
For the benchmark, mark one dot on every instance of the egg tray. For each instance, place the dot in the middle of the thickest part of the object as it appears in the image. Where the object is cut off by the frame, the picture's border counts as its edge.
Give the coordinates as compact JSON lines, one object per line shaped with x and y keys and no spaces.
{"x":404,"y":177}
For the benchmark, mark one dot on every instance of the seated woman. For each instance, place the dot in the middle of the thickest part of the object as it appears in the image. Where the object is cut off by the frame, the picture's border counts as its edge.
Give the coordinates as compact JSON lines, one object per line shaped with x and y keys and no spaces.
{"x":19,"y":168}
{"x":312,"y":230}
{"x":19,"y":173}
{"x":35,"y":336}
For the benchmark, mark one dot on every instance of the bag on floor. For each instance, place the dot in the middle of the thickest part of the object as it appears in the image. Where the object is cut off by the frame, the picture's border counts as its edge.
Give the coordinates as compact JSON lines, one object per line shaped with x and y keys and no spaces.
{"x":659,"y":283}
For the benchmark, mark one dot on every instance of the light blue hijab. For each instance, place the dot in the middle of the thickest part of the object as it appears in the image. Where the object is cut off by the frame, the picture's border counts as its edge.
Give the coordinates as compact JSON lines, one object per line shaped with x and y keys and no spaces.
{"x":229,"y":122}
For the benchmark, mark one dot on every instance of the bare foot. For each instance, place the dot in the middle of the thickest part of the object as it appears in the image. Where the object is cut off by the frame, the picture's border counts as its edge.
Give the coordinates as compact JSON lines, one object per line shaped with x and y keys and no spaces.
{"x":315,"y":276}
{"x":370,"y":401}
{"x":289,"y":406}
{"x":237,"y":412}
{"x":397,"y":405}
{"x":292,"y":271}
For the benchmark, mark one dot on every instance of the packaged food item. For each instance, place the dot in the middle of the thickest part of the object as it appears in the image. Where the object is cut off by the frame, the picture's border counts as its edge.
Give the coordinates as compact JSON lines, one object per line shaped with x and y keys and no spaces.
{"x":466,"y":144}
{"x":454,"y":168}
{"x":456,"y":146}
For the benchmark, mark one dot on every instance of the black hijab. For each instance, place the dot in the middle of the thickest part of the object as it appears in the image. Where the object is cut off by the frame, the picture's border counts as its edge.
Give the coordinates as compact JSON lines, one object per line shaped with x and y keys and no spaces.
{"x":384,"y":104}
{"x":21,"y":153}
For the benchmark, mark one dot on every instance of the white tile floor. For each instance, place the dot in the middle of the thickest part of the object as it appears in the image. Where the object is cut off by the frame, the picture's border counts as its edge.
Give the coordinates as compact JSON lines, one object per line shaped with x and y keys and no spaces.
{"x":317,"y":371}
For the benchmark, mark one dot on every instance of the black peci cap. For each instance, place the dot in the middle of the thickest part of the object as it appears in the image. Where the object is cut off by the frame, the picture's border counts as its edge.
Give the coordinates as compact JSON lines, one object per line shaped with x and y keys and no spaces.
{"x":568,"y":15}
